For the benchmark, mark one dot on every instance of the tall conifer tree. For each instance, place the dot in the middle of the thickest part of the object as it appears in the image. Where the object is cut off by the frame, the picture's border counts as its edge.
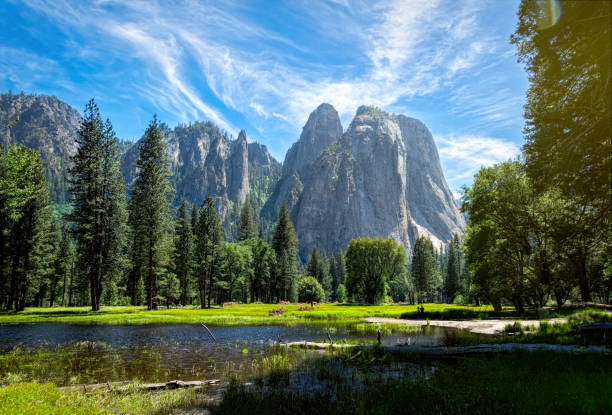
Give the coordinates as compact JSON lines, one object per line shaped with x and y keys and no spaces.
{"x":151,"y":211}
{"x":183,"y":252}
{"x":285,"y":244}
{"x":247,"y":226}
{"x":99,"y":202}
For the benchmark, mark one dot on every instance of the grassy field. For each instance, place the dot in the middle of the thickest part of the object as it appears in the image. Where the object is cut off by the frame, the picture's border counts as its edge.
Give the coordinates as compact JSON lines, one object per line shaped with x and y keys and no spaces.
{"x":240,"y":314}
{"x":34,"y":398}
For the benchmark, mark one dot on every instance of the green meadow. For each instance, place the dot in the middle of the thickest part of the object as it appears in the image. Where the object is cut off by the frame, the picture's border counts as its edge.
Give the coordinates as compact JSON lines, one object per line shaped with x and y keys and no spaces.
{"x":239,"y":314}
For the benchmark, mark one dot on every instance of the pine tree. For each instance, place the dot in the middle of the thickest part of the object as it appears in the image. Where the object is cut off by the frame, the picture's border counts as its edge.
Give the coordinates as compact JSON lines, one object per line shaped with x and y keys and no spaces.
{"x":61,"y":265}
{"x":318,"y":267}
{"x":247,"y":226}
{"x":99,"y":203}
{"x":452,"y":269}
{"x":285,"y":244}
{"x":209,"y":235}
{"x":423,"y":269}
{"x":194,"y":218}
{"x":183,"y":251}
{"x":25,"y":214}
{"x":151,"y":212}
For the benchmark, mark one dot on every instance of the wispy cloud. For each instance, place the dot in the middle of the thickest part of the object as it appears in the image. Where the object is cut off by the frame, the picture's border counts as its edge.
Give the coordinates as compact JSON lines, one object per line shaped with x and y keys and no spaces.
{"x":462,"y":156}
{"x":197,"y":59}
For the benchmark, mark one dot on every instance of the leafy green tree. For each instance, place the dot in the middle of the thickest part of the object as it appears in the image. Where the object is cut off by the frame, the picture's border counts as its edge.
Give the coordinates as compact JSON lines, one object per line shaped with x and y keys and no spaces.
{"x":568,"y":124}
{"x":183,"y":252}
{"x":370,"y":264}
{"x":310,"y":290}
{"x":285,"y":244}
{"x":209,"y":235}
{"x":247,"y":226}
{"x":235,"y":269}
{"x":341,"y":293}
{"x":510,"y":237}
{"x":99,"y":203}
{"x":151,"y":207}
{"x":568,"y":110}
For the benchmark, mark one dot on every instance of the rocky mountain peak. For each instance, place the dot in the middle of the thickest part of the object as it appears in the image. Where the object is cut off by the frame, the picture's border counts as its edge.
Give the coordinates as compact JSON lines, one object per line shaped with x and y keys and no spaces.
{"x":322,"y":128}
{"x":242,"y":136}
{"x":382,"y":179}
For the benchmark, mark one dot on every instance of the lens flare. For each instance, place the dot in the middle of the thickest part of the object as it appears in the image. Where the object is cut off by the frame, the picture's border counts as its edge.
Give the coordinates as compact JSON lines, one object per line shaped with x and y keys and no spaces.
{"x":549,"y":13}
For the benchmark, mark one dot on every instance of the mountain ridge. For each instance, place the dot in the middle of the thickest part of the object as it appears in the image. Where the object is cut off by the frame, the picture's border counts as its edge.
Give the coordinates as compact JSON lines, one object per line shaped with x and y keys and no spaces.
{"x":379,"y":177}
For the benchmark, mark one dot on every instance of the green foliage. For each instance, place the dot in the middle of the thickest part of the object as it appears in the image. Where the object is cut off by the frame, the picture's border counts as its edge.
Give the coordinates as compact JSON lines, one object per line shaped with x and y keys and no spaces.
{"x":568,"y":111}
{"x":423,"y":270}
{"x":310,"y":290}
{"x":183,"y":252}
{"x":520,"y":383}
{"x":285,"y":244}
{"x":24,"y":228}
{"x":150,"y":211}
{"x":568,"y":131}
{"x":99,"y":213}
{"x":318,"y":267}
{"x":235,"y":268}
{"x":370,"y":264}
{"x":341,"y":294}
{"x":247,"y":226}
{"x":264,"y":264}
{"x":208,"y":237}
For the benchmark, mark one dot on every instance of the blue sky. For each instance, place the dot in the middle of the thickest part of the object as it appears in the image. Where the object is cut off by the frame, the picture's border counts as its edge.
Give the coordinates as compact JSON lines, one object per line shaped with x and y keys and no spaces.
{"x":264,"y":66}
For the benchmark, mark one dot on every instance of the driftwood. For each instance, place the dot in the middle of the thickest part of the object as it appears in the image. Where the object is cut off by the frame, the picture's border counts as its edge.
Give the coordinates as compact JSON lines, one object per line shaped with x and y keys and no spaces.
{"x":209,"y":332}
{"x":127,"y":386}
{"x":462,"y":350}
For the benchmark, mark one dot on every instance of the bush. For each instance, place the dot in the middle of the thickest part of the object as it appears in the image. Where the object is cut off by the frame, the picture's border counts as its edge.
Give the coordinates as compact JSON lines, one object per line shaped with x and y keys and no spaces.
{"x":341,"y":293}
{"x":310,"y":290}
{"x":277,"y":311}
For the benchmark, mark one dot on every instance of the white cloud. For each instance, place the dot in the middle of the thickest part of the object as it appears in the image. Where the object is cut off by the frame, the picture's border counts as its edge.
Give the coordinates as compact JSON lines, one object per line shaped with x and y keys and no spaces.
{"x":402,"y":49}
{"x":462,"y":156}
{"x":259,"y":109}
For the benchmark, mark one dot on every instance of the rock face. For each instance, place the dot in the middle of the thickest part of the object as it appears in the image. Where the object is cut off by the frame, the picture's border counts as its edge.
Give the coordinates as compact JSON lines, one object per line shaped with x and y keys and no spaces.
{"x":382,"y":178}
{"x":48,"y":125}
{"x":322,"y":129}
{"x":204,"y":160}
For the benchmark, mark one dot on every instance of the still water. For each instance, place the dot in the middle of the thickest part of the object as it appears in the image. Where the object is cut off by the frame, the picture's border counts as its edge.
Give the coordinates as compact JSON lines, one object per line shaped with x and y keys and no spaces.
{"x":67,"y":354}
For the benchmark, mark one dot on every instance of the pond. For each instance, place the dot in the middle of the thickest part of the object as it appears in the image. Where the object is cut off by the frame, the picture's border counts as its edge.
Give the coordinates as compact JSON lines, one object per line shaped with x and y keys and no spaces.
{"x":69,"y":354}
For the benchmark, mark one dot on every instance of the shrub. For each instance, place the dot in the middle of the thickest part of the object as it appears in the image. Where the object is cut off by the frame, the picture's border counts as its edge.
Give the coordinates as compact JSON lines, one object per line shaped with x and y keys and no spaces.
{"x":515,"y":327}
{"x":277,"y":311}
{"x":310,"y":290}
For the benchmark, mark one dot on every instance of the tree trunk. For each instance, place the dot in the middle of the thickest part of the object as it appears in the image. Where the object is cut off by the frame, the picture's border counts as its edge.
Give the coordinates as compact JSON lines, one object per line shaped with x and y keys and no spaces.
{"x":581,"y":273}
{"x":72,"y":269}
{"x":64,"y":288}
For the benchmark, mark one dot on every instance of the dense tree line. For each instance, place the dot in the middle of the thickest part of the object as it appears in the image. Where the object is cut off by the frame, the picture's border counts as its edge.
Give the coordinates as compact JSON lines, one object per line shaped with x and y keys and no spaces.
{"x":105,"y":250}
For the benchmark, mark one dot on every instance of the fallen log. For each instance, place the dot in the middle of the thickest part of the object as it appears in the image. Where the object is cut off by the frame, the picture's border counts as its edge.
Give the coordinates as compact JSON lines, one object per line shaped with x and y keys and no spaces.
{"x":128,"y":386}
